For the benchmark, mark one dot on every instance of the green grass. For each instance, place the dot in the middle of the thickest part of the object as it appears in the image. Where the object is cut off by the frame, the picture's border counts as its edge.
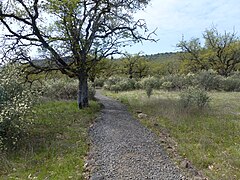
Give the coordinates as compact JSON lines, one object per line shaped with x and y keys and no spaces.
{"x":209,"y":138}
{"x":56,"y":145}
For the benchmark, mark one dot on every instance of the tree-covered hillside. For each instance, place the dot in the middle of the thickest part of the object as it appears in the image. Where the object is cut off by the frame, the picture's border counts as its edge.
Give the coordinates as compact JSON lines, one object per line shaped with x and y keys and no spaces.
{"x":163,"y":57}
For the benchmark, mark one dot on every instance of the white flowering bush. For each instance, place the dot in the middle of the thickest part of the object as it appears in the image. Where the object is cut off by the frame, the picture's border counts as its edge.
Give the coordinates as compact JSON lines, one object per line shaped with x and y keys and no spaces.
{"x":16,"y":100}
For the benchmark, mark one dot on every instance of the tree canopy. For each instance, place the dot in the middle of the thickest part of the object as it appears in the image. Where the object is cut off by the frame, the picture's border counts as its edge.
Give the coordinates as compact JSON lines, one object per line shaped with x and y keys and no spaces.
{"x":71,"y":35}
{"x":220,"y":52}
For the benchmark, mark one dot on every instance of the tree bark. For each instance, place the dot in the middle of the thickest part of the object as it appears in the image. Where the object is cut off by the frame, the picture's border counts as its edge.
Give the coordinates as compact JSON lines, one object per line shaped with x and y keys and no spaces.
{"x":82,"y":91}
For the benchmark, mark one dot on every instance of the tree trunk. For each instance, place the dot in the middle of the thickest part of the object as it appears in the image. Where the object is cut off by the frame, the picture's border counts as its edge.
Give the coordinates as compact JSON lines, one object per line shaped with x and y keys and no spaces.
{"x":130,"y":72}
{"x":82,"y":91}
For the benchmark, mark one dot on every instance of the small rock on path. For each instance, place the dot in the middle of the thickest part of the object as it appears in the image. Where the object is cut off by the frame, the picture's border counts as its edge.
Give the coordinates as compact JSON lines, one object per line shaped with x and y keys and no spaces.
{"x":123,"y":149}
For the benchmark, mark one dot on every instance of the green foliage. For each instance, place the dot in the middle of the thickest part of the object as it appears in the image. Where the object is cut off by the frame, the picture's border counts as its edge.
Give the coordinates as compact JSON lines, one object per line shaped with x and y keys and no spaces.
{"x":81,"y":35}
{"x":167,"y":85}
{"x":149,"y":91}
{"x":173,"y":82}
{"x":134,"y":66}
{"x":116,"y":84}
{"x":220,"y":52}
{"x":194,"y":97}
{"x":16,"y":100}
{"x":56,"y":145}
{"x":63,"y":88}
{"x":99,"y":82}
{"x":91,"y":91}
{"x":127,"y":84}
{"x":163,"y":57}
{"x":230,"y":84}
{"x":152,"y":82}
{"x":208,"y":80}
{"x":177,"y":82}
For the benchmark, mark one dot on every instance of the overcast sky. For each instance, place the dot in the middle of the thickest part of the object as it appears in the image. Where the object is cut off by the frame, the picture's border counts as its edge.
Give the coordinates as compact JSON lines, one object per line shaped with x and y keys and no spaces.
{"x":175,"y":18}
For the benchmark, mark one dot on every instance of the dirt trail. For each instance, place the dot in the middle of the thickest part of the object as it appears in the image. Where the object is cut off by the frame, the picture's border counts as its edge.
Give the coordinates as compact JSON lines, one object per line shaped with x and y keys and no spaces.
{"x":123,"y":149}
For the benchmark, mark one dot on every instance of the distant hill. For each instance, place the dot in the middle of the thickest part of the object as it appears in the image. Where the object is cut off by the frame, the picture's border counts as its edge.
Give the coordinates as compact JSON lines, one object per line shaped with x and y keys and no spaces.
{"x":163,"y":57}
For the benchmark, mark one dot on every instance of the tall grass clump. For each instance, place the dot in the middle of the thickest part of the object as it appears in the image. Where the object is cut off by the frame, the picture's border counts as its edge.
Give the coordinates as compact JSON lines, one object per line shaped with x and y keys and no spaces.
{"x":16,"y":101}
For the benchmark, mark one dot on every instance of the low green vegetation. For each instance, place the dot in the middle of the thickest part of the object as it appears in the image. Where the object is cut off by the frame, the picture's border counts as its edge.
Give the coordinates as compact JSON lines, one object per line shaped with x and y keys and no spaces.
{"x":55,"y":146}
{"x":16,"y":100}
{"x":43,"y":134}
{"x":207,"y":80}
{"x":208,"y":137}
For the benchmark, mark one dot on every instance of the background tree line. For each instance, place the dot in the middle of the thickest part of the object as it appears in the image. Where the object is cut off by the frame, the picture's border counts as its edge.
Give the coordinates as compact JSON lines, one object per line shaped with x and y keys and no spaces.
{"x":218,"y":52}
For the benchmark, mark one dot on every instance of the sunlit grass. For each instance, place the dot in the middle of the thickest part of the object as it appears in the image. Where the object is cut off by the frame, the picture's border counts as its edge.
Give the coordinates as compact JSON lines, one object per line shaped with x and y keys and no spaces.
{"x":209,"y":138}
{"x":56,"y":145}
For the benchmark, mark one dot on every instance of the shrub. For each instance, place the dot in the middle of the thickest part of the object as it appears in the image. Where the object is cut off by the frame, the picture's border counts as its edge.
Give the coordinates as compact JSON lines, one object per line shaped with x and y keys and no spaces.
{"x":167,"y":85}
{"x":177,"y":82}
{"x":152,"y":82}
{"x":149,"y":90}
{"x":61,"y":89}
{"x":91,"y":92}
{"x":16,"y":101}
{"x":120,"y":84}
{"x":230,"y":84}
{"x":116,"y":88}
{"x":99,"y":82}
{"x":65,"y":89}
{"x":208,"y":80}
{"x":194,"y":97}
{"x":137,"y":85}
{"x":126,"y":84}
{"x":111,"y":81}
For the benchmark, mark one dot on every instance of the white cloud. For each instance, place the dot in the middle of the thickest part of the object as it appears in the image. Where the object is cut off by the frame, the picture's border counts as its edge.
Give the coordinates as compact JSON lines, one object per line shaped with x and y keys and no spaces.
{"x":176,"y":17}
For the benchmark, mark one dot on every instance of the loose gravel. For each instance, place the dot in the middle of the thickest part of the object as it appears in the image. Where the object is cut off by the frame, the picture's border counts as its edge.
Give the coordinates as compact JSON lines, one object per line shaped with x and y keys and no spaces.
{"x":123,"y":149}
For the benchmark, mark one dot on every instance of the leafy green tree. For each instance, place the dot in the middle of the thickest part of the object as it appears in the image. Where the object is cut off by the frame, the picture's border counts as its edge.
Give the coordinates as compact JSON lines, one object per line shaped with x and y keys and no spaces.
{"x":134,"y":65}
{"x":68,"y":32}
{"x":223,"y":51}
{"x":98,"y":69}
{"x":129,"y":63}
{"x":164,"y":68}
{"x":142,"y":67}
{"x":220,"y":52}
{"x":192,"y":55}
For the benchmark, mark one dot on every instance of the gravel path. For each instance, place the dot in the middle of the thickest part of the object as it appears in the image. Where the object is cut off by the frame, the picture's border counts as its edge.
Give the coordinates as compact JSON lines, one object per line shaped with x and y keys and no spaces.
{"x":123,"y":149}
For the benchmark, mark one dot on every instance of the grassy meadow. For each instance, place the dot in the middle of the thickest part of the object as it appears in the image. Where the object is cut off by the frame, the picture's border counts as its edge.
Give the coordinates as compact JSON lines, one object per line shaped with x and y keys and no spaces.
{"x":209,"y":138}
{"x":56,"y":144}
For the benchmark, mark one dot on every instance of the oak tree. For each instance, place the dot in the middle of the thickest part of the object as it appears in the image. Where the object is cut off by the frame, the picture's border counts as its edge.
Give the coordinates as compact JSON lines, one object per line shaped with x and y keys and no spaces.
{"x":220,"y":52}
{"x":72,"y":35}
